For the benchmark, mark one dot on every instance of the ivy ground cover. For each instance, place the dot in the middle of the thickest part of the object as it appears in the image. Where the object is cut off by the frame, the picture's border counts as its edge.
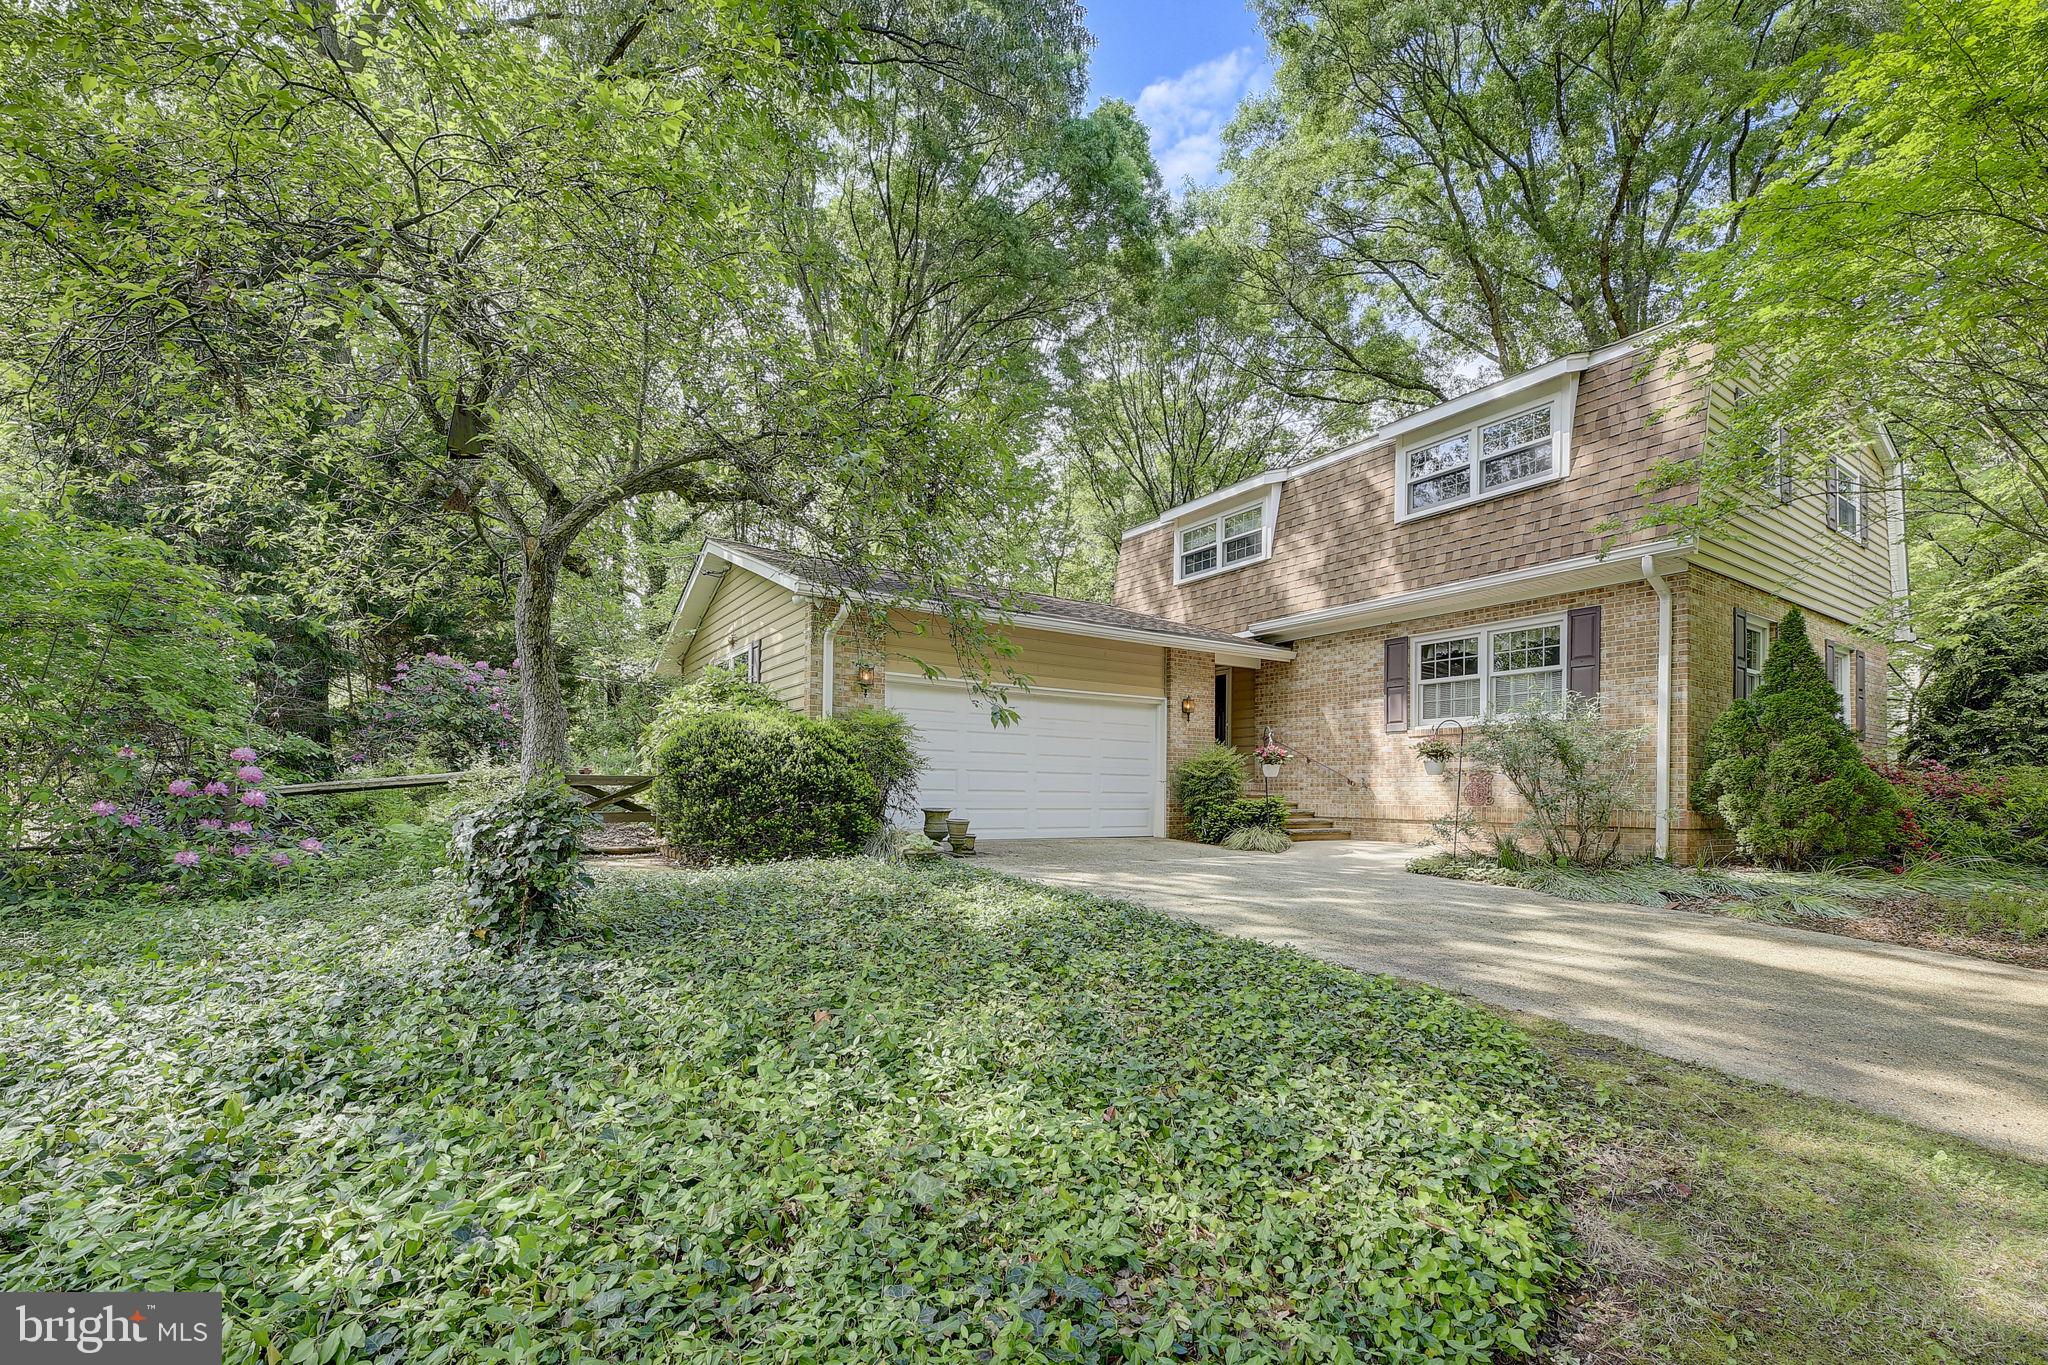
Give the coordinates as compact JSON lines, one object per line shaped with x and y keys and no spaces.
{"x":806,"y":1112}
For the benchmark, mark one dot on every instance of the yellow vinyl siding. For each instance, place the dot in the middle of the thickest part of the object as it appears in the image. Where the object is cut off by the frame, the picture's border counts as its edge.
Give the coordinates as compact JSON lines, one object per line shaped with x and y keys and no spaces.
{"x":1071,"y":662}
{"x":1789,"y":549}
{"x":747,"y":607}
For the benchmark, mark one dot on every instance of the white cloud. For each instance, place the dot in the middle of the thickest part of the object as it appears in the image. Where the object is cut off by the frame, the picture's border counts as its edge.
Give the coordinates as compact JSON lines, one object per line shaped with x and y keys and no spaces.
{"x":1186,"y":114}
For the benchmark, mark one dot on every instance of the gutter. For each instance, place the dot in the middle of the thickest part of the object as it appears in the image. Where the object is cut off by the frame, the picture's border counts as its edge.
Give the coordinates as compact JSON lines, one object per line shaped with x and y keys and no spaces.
{"x":845,"y":608}
{"x":1662,"y":796}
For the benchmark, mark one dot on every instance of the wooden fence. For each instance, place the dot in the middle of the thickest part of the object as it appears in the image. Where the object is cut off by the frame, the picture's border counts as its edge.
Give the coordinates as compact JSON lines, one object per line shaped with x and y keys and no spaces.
{"x":616,"y":798}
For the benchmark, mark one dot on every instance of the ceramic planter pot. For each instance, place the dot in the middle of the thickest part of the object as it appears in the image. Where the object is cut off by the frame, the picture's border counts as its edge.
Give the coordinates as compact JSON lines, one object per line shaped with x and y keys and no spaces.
{"x":1433,"y":766}
{"x":963,"y":845}
{"x":1270,"y":769}
{"x":935,"y":822}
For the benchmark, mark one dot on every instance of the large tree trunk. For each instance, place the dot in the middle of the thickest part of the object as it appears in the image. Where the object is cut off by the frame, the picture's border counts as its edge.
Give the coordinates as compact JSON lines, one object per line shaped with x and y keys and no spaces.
{"x":543,"y":715}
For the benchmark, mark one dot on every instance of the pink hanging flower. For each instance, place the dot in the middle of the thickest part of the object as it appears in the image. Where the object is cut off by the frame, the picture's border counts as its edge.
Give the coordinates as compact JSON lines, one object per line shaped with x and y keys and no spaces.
{"x":185,"y":857}
{"x":241,"y":850}
{"x":255,"y":798}
{"x":241,"y":827}
{"x":104,"y":808}
{"x":131,"y":819}
{"x":312,"y":845}
{"x":209,"y":824}
{"x":249,"y":772}
{"x":217,"y":788}
{"x":182,"y":787}
{"x":280,"y":860}
{"x":243,"y":755}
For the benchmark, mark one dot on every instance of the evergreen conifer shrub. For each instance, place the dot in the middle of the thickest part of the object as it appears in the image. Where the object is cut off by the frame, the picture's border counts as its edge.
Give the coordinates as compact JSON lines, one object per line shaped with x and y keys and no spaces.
{"x":1785,"y":773}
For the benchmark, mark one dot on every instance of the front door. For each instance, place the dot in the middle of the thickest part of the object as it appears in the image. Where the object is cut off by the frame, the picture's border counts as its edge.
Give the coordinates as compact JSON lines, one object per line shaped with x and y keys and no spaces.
{"x":1223,"y":706}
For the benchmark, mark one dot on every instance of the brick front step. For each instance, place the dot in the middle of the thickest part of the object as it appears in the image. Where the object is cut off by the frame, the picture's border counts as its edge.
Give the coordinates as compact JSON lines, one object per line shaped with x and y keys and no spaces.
{"x":1304,"y":835}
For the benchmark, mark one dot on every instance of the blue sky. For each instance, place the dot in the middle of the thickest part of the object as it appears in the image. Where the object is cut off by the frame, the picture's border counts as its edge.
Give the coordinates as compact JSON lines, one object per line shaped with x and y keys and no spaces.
{"x":1184,"y":64}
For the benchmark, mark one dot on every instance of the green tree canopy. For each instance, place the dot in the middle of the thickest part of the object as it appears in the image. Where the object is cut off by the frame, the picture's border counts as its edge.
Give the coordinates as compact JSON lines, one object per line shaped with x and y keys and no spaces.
{"x":1436,"y":189}
{"x":1895,"y":270}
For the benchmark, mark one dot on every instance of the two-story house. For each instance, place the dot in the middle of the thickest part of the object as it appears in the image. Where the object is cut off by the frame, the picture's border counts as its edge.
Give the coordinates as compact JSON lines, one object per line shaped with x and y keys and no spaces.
{"x":1472,"y":557}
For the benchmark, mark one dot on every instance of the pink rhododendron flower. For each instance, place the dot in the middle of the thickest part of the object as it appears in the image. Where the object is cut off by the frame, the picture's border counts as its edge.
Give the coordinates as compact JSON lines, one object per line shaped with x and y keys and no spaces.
{"x":241,"y":850}
{"x":243,"y":755}
{"x":383,"y":687}
{"x":181,"y":787}
{"x":312,"y":845}
{"x":249,"y":772}
{"x":216,"y":788}
{"x":255,"y":798}
{"x":130,"y":819}
{"x":185,"y":857}
{"x":125,"y":751}
{"x":241,"y":827}
{"x":209,"y":824}
{"x":104,"y":808}
{"x":280,"y":860}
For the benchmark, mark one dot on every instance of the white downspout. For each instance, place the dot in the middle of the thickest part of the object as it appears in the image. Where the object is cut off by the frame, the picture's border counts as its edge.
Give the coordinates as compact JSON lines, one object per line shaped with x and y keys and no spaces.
{"x":830,"y":631}
{"x":1662,"y":786}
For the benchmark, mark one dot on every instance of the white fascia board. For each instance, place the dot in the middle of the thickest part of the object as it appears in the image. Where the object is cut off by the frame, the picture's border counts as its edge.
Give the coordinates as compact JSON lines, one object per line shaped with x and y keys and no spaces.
{"x":1449,"y":410}
{"x":713,"y":562}
{"x":1623,"y":565}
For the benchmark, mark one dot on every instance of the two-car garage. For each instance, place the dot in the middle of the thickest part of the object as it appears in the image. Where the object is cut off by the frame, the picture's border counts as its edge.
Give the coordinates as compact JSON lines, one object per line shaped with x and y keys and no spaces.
{"x":1072,"y":766}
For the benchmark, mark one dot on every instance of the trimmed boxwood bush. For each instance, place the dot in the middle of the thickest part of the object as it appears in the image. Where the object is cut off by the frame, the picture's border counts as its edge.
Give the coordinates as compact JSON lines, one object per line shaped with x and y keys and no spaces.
{"x":1210,"y":790}
{"x":759,"y":785}
{"x":1785,"y":773}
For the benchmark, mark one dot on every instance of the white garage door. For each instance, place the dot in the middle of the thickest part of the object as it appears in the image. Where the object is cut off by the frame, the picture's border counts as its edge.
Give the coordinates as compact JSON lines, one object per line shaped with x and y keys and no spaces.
{"x":1070,"y":767}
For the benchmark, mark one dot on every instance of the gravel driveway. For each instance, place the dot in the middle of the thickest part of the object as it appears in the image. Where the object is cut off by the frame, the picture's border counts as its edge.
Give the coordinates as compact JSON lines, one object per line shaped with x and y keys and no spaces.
{"x":1951,"y":1043}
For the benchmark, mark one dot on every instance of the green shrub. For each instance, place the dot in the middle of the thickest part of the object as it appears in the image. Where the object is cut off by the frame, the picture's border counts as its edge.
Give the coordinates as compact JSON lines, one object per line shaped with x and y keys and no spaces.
{"x":886,"y":745}
{"x":1257,"y":839}
{"x":716,"y":689}
{"x":759,"y":785}
{"x":1575,"y":772}
{"x":1983,"y":698}
{"x":520,"y":860}
{"x":1785,"y":773}
{"x":1985,"y":813}
{"x":1209,"y":788}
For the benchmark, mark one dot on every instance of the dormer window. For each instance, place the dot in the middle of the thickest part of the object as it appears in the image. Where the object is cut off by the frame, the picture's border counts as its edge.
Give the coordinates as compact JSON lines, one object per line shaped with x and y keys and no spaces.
{"x":1493,"y":456}
{"x":1229,"y":540}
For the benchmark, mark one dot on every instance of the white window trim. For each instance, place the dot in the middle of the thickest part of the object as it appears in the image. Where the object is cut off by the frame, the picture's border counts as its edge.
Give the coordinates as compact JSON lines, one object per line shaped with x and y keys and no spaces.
{"x":739,"y":659}
{"x":1268,"y":505}
{"x":1768,"y":630}
{"x":1418,"y":727}
{"x":1561,"y":406}
{"x":1844,"y":470}
{"x":1845,"y":686}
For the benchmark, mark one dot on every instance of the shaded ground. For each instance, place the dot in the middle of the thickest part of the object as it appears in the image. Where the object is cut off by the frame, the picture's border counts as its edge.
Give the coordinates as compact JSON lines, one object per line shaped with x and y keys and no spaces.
{"x":1950,"y":1043}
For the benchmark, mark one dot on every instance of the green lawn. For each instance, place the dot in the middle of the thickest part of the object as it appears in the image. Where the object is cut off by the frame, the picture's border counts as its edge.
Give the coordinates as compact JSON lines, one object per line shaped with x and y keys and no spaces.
{"x":843,"y":1112}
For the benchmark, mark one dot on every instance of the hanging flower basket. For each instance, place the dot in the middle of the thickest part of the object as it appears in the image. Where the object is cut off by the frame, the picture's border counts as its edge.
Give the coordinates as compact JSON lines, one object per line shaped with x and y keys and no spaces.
{"x":1434,"y":753}
{"x":1270,"y":757}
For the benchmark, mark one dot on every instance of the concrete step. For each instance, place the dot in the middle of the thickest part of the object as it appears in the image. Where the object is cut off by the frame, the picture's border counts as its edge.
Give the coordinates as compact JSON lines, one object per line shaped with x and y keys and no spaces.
{"x":1305,"y":835}
{"x":1309,"y":822}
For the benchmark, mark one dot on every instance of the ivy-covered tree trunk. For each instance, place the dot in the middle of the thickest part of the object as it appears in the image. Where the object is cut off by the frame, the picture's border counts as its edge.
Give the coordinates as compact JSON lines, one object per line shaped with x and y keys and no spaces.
{"x":543,"y":714}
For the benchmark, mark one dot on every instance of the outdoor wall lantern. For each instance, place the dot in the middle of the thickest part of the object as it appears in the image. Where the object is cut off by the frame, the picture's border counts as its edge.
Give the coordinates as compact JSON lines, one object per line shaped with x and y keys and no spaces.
{"x":864,"y":675}
{"x":1187,"y":708}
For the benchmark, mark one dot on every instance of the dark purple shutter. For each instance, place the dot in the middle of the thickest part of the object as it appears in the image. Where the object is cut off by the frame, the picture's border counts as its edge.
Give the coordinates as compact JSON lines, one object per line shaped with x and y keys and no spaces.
{"x":1834,"y":487}
{"x":1742,"y":659}
{"x":1582,"y":651}
{"x":1862,"y":514}
{"x":1859,"y":694}
{"x":1827,"y":661}
{"x":754,"y":662}
{"x":1397,"y":684}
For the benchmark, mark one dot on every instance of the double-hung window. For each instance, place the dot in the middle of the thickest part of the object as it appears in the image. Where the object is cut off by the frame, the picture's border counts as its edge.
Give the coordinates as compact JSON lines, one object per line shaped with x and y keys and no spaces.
{"x":1227,"y":541}
{"x":1494,"y":456}
{"x":1845,"y":500}
{"x":1484,"y":672}
{"x":1751,"y":649}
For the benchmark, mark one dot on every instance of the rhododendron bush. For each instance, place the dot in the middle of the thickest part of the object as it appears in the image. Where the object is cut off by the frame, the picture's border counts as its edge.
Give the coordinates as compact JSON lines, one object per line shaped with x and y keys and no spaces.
{"x":440,"y":711}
